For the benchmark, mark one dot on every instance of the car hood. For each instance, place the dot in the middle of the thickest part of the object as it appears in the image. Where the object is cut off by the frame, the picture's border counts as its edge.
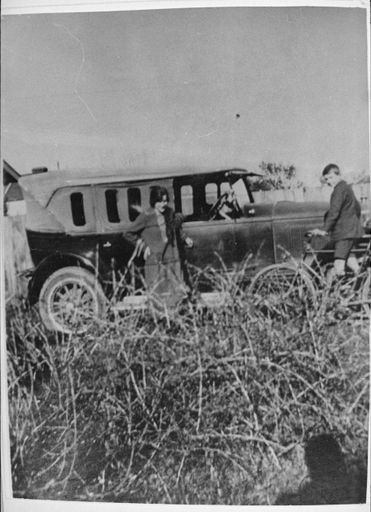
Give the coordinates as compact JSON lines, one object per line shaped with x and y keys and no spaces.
{"x":285,"y":209}
{"x":292,"y":209}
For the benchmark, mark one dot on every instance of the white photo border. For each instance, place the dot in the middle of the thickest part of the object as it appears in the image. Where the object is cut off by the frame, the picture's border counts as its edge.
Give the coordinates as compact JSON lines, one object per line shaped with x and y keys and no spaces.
{"x":23,"y":7}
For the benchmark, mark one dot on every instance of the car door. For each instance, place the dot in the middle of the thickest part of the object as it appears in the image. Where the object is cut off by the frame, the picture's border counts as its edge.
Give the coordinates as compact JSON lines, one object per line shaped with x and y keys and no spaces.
{"x":254,"y":237}
{"x":213,"y":243}
{"x":213,"y":238}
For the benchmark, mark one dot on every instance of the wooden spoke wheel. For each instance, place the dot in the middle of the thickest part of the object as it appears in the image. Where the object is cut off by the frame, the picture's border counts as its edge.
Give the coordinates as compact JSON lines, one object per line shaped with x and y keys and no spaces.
{"x":70,"y":299}
{"x":283,"y":288}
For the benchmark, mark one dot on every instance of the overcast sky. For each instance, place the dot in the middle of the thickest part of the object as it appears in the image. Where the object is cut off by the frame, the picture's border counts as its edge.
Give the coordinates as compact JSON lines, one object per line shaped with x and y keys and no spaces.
{"x":219,"y":87}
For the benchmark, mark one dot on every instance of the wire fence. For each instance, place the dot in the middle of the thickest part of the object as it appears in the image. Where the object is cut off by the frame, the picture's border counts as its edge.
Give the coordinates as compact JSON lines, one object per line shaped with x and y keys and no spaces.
{"x":305,"y":194}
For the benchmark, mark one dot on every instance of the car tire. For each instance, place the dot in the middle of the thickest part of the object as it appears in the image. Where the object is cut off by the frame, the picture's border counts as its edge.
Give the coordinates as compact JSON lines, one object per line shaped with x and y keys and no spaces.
{"x":70,"y":300}
{"x":283,"y":288}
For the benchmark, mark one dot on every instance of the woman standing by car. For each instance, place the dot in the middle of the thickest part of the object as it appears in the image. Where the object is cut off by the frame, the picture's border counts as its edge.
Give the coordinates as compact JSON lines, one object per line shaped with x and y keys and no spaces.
{"x":156,"y":234}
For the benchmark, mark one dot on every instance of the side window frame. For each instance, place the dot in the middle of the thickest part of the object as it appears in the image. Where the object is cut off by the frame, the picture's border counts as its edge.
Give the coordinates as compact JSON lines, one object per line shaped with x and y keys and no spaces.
{"x":217,"y":192}
{"x":104,"y":224}
{"x":77,"y":209}
{"x":132,"y":213}
{"x":60,"y":207}
{"x":198,"y":197}
{"x":191,"y":200}
{"x":112,"y":205}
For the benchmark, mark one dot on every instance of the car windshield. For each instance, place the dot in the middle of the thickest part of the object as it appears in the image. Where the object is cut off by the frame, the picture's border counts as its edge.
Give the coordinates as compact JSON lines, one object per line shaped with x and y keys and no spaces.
{"x":240,"y":190}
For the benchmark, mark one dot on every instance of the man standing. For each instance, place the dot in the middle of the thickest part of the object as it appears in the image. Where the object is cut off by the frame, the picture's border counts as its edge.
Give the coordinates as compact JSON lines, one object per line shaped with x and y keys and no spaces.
{"x":342,"y":220}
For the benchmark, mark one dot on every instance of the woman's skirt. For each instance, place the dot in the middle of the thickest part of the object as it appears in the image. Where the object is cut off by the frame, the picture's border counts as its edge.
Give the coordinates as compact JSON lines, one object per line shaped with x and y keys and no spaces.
{"x":164,"y":280}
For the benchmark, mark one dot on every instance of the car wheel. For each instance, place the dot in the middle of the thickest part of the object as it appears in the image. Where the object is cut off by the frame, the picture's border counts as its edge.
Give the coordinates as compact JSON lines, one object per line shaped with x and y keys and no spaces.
{"x":283,"y":289}
{"x":70,"y":299}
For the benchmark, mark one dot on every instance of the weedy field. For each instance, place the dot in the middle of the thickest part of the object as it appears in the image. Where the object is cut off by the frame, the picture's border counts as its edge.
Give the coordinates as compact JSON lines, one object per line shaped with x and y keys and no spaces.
{"x":201,"y":406}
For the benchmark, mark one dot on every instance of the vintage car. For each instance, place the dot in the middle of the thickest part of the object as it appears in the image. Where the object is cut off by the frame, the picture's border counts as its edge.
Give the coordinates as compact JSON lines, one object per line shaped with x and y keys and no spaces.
{"x":76,"y":220}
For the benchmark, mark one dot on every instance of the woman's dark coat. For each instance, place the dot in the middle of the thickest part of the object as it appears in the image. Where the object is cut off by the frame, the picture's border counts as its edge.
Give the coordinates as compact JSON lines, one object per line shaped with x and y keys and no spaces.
{"x":163,"y":272}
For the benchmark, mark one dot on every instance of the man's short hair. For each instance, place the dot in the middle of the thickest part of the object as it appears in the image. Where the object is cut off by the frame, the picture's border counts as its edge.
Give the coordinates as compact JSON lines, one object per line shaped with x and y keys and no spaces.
{"x":329,"y":168}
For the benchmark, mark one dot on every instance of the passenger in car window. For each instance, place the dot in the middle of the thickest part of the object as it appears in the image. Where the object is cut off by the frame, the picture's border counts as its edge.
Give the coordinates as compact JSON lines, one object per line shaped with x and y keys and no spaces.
{"x":156,"y":234}
{"x":227,"y":210}
{"x":225,"y":207}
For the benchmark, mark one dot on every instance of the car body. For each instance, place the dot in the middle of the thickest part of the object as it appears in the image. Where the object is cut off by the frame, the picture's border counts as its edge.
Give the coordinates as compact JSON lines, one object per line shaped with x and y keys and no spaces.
{"x":78,"y":218}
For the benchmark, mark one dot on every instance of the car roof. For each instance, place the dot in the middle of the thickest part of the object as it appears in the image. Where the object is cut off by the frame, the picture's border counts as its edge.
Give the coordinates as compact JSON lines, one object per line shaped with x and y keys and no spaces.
{"x":42,"y":186}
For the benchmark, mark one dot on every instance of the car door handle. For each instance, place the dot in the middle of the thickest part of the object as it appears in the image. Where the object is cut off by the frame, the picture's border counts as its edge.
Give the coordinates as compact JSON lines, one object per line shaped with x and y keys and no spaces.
{"x":107,"y":244}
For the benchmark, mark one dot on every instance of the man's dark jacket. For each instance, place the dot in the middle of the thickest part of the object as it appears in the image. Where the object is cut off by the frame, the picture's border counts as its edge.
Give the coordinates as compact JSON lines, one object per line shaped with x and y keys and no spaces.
{"x":342,"y":221}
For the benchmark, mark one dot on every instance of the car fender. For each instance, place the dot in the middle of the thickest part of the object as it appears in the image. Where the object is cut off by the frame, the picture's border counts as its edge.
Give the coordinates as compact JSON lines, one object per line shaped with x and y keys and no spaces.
{"x":49,"y":265}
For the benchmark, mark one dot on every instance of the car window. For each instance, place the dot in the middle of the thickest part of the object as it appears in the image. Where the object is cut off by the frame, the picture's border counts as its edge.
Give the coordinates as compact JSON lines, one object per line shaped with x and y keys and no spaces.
{"x":134,"y":202}
{"x":77,"y":208}
{"x":211,"y":193}
{"x":241,"y":191}
{"x":224,"y":187}
{"x":186,"y":197}
{"x":111,"y":206}
{"x":194,"y":196}
{"x":73,"y":207}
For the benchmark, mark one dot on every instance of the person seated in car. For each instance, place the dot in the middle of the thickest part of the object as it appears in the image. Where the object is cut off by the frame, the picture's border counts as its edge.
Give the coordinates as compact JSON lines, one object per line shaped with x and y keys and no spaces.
{"x":157,"y":235}
{"x":228,"y":207}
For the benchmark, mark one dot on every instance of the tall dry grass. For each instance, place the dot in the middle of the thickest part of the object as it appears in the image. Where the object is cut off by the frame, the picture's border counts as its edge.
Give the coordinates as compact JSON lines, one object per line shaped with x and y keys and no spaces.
{"x":201,"y":406}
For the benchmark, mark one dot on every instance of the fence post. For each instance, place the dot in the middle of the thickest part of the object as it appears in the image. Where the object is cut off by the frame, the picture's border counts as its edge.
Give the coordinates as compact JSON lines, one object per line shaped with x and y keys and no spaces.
{"x":17,"y":256}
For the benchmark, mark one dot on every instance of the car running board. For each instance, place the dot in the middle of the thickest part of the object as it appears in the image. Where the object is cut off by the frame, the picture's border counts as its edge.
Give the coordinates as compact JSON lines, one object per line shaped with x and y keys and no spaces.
{"x":139,"y":302}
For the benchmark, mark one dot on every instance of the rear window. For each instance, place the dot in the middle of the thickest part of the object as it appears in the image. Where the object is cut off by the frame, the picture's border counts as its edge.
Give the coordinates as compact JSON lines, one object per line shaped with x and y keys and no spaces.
{"x":77,"y":207}
{"x":72,"y":208}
